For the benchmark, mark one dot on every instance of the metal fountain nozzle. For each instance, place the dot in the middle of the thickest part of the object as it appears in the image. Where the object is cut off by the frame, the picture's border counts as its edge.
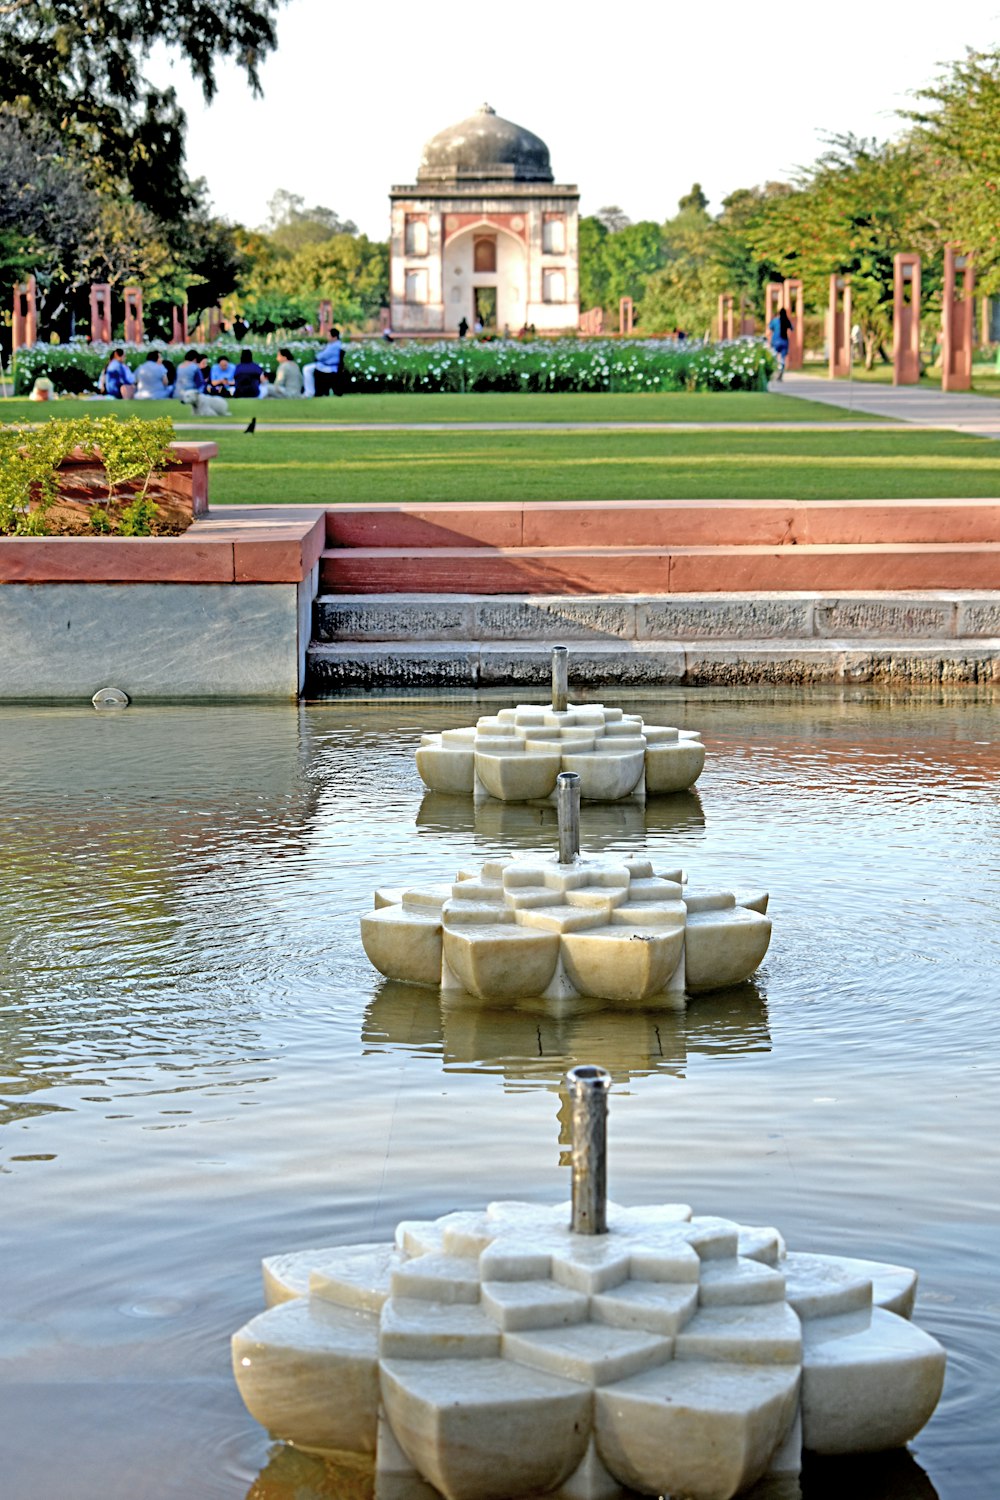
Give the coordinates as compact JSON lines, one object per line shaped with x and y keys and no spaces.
{"x":588,"y":1087}
{"x":560,"y":679}
{"x":568,"y":813}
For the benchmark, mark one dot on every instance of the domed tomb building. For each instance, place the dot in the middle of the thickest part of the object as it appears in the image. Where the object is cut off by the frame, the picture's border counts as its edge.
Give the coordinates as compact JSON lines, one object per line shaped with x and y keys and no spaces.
{"x":484,"y":234}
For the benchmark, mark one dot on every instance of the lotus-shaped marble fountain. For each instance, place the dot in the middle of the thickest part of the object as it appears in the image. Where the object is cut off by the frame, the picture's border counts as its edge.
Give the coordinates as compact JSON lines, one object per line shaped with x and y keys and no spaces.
{"x":585,"y":1351}
{"x":516,"y":754}
{"x":564,"y":927}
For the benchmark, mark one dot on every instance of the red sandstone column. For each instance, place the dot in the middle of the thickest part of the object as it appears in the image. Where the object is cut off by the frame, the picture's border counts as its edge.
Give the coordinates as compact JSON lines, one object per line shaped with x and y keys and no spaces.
{"x":984,"y":322}
{"x":133,"y":315}
{"x":179,"y":324}
{"x":325,"y":318}
{"x":625,"y":316}
{"x":839,"y":326}
{"x":100,"y":312}
{"x":24,"y":324}
{"x":957,"y":310}
{"x":748,"y":324}
{"x":792,"y":301}
{"x":906,"y":320}
{"x":726,"y":325}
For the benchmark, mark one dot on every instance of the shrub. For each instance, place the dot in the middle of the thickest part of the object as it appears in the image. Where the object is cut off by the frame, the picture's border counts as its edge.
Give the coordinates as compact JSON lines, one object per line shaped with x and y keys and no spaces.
{"x":566,"y":364}
{"x":129,"y":450}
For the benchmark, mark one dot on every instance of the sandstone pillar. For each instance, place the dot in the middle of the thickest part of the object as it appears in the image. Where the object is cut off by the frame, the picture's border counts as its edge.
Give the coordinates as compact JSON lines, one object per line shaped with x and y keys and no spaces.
{"x":100,"y":312}
{"x":726,"y":323}
{"x":626,"y":316}
{"x":957,"y":314}
{"x":906,"y":320}
{"x":24,"y":325}
{"x":748,"y":323}
{"x":179,"y":324}
{"x":985,"y":320}
{"x":793,"y":305}
{"x":325,"y":318}
{"x":839,"y":326}
{"x":133,"y":315}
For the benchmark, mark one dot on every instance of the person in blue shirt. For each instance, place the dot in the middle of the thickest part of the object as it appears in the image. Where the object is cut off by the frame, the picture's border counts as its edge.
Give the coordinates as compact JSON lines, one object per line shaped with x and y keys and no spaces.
{"x":330,"y":362}
{"x":117,"y":375}
{"x":222,"y":381}
{"x":189,"y":376}
{"x":779,"y":328}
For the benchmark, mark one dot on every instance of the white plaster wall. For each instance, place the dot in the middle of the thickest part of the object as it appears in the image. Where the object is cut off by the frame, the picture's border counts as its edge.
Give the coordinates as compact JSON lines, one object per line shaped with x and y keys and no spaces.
{"x":153,"y":640}
{"x":510,"y":278}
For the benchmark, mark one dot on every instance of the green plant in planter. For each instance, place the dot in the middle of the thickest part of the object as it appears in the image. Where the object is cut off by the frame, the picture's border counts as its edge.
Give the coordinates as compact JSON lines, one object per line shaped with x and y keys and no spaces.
{"x":132,"y":449}
{"x":29,"y":463}
{"x":129,"y":450}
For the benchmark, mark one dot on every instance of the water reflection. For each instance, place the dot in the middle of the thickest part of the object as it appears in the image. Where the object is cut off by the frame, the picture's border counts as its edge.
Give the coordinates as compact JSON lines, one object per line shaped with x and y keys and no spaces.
{"x":198,"y":1070}
{"x":529,"y":1047}
{"x":521,"y":825}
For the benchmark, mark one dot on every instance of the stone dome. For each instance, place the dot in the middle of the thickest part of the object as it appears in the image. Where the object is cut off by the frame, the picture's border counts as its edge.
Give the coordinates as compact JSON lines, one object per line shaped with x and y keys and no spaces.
{"x":485,"y":148}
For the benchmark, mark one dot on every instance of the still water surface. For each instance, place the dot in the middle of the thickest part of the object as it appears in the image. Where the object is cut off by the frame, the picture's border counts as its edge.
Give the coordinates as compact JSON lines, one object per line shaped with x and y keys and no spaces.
{"x":198,"y":1066}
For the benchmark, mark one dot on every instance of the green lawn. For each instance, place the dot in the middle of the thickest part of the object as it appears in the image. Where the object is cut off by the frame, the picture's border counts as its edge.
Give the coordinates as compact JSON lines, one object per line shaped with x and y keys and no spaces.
{"x":344,"y":467}
{"x":679,"y":406}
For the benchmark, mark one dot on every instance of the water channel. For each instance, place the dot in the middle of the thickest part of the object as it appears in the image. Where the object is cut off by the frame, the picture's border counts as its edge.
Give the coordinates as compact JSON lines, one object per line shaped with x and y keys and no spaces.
{"x":198,"y":1066}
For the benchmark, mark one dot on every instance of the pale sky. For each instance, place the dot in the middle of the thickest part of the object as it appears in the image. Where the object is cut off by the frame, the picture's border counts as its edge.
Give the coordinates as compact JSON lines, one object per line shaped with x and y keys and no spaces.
{"x":634,"y":105}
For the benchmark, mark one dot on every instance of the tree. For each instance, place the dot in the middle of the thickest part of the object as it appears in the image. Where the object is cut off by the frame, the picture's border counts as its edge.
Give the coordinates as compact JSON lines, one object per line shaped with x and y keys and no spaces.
{"x":291,"y":226}
{"x":859,"y":204}
{"x":681,"y":292}
{"x":76,"y":65}
{"x":592,"y":234}
{"x":349,"y":270}
{"x":958,"y":132}
{"x":694,"y":201}
{"x":47,"y":206}
{"x":613,"y":218}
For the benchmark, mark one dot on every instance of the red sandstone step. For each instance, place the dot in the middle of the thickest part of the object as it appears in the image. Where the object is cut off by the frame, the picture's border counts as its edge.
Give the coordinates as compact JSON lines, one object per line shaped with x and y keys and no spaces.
{"x":659,"y":570}
{"x":664,"y":523}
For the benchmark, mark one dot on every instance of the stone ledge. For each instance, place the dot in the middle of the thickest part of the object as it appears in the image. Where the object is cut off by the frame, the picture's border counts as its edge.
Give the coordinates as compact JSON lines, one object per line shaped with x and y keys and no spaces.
{"x":641,"y":663}
{"x":241,"y":545}
{"x":910,"y":615}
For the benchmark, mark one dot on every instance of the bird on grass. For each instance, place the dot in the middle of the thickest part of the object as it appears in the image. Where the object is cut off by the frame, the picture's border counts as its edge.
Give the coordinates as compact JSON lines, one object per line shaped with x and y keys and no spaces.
{"x":251,"y":425}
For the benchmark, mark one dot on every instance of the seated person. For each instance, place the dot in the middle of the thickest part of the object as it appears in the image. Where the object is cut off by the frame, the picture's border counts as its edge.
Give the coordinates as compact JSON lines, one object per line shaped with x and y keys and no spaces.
{"x":151,"y":382}
{"x":287,"y":382}
{"x":328,"y":363}
{"x":246,"y":376}
{"x":189,"y":375}
{"x":222,"y":380}
{"x":117,"y":377}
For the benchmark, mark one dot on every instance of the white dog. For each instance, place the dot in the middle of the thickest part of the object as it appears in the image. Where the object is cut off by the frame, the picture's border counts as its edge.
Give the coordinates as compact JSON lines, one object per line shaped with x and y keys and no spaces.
{"x":205,"y":406}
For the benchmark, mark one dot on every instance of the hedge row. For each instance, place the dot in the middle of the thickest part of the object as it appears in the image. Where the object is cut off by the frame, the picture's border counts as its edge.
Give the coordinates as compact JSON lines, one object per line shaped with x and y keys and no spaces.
{"x":472,"y":365}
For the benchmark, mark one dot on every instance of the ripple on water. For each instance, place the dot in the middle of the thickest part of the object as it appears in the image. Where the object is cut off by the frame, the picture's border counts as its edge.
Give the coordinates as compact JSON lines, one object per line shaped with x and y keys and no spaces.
{"x":197,"y":1064}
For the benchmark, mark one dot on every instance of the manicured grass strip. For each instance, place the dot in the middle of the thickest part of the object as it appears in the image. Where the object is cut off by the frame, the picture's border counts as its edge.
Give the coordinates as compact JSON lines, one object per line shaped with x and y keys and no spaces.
{"x":679,"y":406}
{"x":333,"y":467}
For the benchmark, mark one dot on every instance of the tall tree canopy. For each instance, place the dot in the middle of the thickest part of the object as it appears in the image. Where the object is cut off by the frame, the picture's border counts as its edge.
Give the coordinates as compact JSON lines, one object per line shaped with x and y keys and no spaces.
{"x":76,"y":65}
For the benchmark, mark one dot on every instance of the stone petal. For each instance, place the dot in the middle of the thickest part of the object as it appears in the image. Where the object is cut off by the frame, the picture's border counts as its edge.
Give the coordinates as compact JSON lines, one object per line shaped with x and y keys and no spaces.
{"x":705,"y":1431}
{"x":867,"y":1385}
{"x":723,"y":947}
{"x":514,"y":1433}
{"x":289,"y":1361}
{"x":403,"y":944}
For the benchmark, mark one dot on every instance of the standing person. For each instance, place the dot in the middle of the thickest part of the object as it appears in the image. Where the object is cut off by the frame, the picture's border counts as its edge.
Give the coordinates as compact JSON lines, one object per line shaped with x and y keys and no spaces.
{"x":779,"y":328}
{"x":246,"y":376}
{"x":189,"y":375}
{"x":151,"y":382}
{"x":287,"y":383}
{"x":463,"y":328}
{"x":328,"y":362}
{"x":117,"y":376}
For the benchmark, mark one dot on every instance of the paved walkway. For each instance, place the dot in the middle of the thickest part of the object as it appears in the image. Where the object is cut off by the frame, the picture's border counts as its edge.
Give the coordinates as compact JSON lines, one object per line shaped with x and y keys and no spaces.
{"x":978,"y":416}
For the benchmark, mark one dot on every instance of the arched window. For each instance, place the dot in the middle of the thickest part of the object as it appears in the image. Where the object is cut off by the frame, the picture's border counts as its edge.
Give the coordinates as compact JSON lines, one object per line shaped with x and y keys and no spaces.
{"x":484,"y":253}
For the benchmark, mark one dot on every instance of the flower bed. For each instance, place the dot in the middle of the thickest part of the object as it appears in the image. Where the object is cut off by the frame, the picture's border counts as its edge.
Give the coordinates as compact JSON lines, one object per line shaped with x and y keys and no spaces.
{"x":100,"y":477}
{"x":374,"y":365}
